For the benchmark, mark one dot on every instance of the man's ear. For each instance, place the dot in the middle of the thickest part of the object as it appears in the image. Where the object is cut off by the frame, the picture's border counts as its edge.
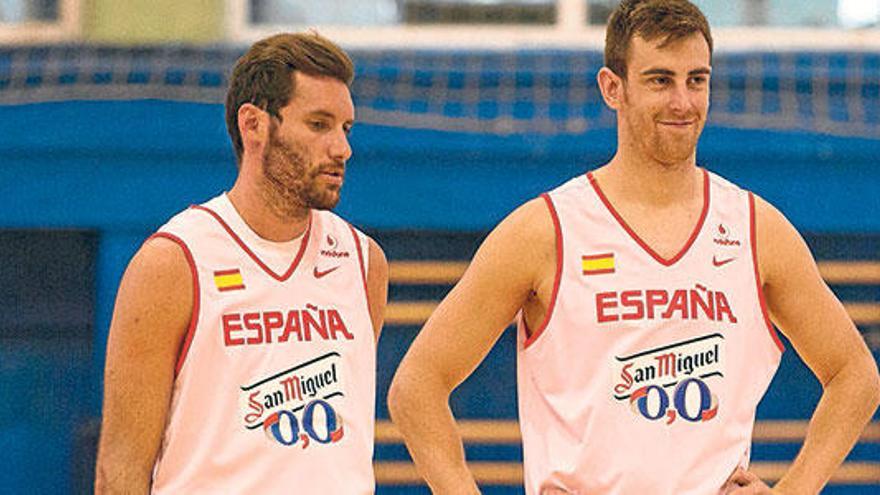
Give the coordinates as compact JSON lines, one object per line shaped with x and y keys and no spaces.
{"x":253,"y":125}
{"x":612,"y":87}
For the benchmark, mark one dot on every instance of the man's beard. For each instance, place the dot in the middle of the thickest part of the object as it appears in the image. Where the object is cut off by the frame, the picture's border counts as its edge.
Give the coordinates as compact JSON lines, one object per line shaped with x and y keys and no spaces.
{"x":663,"y":146}
{"x":673,"y":150}
{"x":667,"y":148}
{"x":291,"y":185}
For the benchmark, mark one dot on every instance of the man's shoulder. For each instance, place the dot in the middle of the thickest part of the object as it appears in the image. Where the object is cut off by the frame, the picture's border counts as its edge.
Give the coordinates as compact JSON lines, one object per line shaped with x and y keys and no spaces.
{"x":331,"y":221}
{"x":532,"y":223}
{"x":573,"y":185}
{"x":537,"y":219}
{"x":194,"y":217}
{"x":725,"y":184}
{"x":339,"y":228}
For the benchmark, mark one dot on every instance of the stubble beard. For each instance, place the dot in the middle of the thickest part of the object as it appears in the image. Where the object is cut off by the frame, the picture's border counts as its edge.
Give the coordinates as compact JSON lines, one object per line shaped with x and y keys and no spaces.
{"x":661,"y":146}
{"x":291,"y":185}
{"x":672,"y":150}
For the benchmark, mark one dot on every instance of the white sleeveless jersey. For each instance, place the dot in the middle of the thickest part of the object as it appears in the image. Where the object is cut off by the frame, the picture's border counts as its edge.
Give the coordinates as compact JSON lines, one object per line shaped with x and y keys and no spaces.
{"x":275,"y":384}
{"x":645,"y":374}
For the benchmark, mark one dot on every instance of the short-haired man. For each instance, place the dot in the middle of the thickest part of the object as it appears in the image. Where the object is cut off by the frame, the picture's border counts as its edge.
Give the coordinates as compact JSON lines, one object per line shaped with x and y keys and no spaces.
{"x":241,"y":355}
{"x":644,"y":293}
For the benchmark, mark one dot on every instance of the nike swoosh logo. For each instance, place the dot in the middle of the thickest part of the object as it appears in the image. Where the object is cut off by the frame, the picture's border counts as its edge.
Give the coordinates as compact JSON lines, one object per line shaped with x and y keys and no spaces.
{"x":717,"y":262}
{"x":320,"y":274}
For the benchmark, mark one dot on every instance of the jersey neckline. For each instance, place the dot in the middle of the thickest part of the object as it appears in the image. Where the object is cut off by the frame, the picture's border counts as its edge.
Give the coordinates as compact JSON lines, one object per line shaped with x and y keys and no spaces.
{"x":281,"y":277}
{"x":644,"y":245}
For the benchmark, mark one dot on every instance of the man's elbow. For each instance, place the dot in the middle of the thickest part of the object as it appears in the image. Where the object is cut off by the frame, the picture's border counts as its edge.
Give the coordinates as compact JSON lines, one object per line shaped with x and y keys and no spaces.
{"x":105,"y":482}
{"x":109,"y":481}
{"x":872,"y":389}
{"x":100,"y":480}
{"x":121,"y":471}
{"x":399,"y":394}
{"x":414,"y":390}
{"x":864,"y":381}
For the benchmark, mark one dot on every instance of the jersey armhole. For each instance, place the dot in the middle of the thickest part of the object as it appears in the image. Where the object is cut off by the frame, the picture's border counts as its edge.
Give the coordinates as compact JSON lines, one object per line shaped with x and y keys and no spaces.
{"x":753,"y":240}
{"x":530,"y":339}
{"x":362,"y":263}
{"x":194,"y":317}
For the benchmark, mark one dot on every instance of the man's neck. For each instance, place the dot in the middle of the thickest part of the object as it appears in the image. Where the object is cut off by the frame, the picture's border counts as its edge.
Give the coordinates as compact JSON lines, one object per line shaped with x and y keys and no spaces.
{"x":264,"y":219}
{"x":649,"y":183}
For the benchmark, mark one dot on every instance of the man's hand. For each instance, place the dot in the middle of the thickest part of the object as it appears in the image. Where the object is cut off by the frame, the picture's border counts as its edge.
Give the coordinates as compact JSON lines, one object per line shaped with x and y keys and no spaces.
{"x":800,"y":303}
{"x":742,"y":482}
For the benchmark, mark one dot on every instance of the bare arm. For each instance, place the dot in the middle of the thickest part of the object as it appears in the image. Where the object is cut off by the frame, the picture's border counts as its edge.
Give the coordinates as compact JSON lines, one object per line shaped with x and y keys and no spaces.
{"x":151,"y":316}
{"x":377,"y":286}
{"x":824,"y":336}
{"x":506,"y":270}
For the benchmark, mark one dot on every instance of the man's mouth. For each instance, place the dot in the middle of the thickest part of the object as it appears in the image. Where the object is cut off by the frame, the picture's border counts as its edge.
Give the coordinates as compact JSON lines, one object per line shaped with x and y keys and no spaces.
{"x":677,"y":124}
{"x":333,"y":176}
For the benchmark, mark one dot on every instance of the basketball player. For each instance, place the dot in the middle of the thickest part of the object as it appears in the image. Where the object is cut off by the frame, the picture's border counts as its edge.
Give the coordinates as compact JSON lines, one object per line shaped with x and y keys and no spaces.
{"x":241,"y":355}
{"x":644,"y":293}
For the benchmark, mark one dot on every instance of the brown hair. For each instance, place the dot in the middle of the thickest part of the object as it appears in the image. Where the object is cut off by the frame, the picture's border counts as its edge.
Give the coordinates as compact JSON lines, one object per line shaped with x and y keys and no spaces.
{"x":672,"y":20}
{"x":263,"y":75}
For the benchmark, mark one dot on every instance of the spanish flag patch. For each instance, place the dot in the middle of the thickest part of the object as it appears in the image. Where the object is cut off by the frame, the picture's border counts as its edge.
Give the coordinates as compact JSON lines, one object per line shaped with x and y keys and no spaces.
{"x":597,"y":264}
{"x":226,"y":280}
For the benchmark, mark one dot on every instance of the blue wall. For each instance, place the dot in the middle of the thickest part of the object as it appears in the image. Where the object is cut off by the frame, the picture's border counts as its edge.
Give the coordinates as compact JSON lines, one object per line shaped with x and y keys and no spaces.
{"x":127,"y":166}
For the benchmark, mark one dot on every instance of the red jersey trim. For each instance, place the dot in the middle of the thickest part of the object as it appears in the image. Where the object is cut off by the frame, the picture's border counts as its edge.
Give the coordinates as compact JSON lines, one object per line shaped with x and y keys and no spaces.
{"x":530,"y":339}
{"x":357,"y":245}
{"x":687,"y":245}
{"x":754,"y":242}
{"x":232,"y":287}
{"x":194,"y":317}
{"x":597,"y":256}
{"x":282,"y":277}
{"x":598,"y":272}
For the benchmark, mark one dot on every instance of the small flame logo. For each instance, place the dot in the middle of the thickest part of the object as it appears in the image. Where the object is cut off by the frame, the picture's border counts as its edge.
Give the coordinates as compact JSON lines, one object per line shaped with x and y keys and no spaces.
{"x":723,"y":238}
{"x":331,"y":241}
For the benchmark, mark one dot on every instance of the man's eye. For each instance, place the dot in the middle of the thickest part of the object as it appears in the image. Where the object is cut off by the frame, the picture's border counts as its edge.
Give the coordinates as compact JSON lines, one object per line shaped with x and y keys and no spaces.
{"x":318,"y":125}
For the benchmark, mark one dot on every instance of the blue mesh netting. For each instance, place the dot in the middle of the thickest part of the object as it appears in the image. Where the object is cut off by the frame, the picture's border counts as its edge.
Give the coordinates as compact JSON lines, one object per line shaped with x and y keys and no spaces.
{"x":498,"y":92}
